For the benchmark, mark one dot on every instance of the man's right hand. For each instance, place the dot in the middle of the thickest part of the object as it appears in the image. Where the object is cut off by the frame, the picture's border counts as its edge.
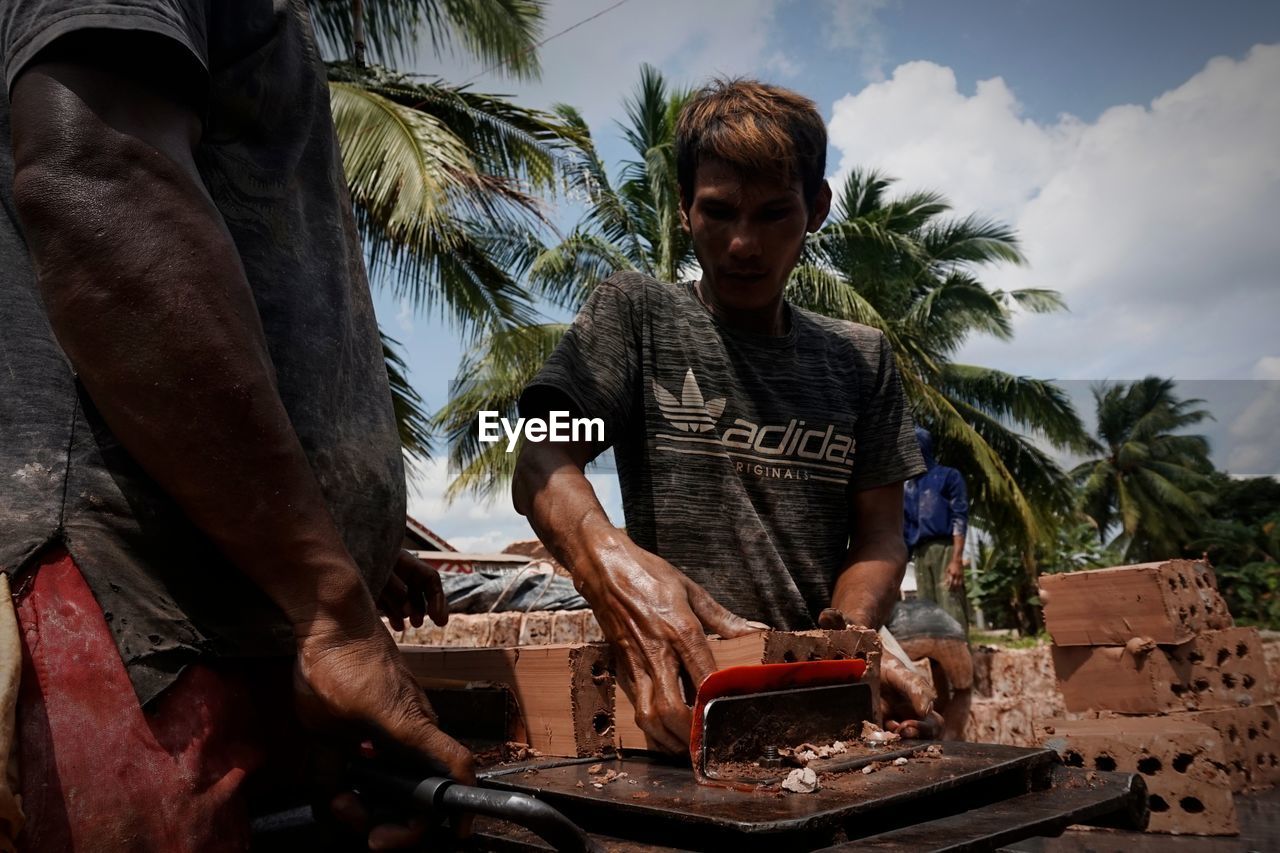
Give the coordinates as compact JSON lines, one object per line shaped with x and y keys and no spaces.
{"x":350,"y":683}
{"x":657,"y":620}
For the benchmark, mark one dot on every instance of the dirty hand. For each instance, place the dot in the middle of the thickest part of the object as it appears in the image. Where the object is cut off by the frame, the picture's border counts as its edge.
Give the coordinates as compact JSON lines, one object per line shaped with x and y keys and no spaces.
{"x":657,"y":619}
{"x":955,"y":575}
{"x":414,"y":591}
{"x":350,"y":683}
{"x":906,"y":699}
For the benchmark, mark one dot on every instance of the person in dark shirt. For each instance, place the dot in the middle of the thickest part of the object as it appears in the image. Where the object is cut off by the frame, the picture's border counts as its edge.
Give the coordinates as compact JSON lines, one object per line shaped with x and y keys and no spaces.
{"x":936,"y":520}
{"x":761,"y":448}
{"x":203,"y":490}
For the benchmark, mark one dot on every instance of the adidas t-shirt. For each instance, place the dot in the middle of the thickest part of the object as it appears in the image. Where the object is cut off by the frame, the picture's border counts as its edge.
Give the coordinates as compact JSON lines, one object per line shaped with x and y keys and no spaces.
{"x":738,"y":453}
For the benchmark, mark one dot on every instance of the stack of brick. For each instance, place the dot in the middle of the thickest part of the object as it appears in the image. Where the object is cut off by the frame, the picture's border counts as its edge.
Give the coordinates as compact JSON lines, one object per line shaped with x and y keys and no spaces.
{"x":1167,"y":687}
{"x":509,"y":628}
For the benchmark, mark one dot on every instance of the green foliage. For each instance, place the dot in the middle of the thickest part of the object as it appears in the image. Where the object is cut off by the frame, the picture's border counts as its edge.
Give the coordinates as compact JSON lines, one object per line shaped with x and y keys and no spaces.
{"x":1006,"y":592}
{"x":1242,"y":541}
{"x":501,"y":32}
{"x":1147,"y":478}
{"x":1006,"y":641}
{"x":630,"y":224}
{"x":443,"y":181}
{"x":1252,"y":592}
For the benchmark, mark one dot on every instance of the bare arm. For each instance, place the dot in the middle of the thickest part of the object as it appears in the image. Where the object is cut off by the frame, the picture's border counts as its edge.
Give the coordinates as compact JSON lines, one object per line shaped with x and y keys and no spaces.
{"x":955,"y":568}
{"x":868,"y":584}
{"x":864,"y":594}
{"x":146,"y":294}
{"x":653,"y":615}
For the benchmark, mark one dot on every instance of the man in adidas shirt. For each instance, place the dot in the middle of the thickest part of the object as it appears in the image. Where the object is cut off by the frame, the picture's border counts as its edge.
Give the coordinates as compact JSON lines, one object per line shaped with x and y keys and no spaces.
{"x":761,"y":448}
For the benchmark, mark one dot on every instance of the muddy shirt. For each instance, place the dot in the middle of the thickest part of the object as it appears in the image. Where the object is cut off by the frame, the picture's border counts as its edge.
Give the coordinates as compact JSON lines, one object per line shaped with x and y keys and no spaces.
{"x":269,"y":159}
{"x":738,"y":453}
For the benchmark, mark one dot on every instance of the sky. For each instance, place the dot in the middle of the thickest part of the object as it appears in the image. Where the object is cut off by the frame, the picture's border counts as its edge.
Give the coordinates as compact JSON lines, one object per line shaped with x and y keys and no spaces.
{"x":1135,"y":148}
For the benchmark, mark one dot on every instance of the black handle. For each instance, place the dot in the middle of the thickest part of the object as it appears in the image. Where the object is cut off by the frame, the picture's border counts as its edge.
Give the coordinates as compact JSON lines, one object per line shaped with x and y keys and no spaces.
{"x":438,"y":795}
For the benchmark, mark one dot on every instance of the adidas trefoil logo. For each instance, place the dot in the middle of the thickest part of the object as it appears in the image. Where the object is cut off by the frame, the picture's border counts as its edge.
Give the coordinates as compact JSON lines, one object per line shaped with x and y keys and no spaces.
{"x":690,"y":413}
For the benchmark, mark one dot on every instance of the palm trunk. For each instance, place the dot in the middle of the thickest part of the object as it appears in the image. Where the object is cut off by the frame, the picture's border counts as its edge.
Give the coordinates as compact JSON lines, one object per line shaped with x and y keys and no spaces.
{"x":357,"y":31}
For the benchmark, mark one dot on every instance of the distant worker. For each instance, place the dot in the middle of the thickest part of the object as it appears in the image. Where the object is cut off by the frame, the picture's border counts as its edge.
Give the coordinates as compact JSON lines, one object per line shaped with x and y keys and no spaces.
{"x":936,"y":519}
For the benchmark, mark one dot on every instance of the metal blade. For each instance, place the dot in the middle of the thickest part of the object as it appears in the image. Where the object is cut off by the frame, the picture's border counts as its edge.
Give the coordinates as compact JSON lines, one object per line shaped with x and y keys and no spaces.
{"x":738,"y":730}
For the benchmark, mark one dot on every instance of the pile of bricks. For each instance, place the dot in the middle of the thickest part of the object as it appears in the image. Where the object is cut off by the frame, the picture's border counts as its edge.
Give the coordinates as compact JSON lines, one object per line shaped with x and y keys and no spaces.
{"x":1148,"y":658}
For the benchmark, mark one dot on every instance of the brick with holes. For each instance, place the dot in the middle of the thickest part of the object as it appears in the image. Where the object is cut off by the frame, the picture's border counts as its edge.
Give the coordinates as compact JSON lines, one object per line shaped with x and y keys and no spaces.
{"x":1215,"y":669}
{"x":1181,"y":761}
{"x":1250,"y":742}
{"x":1165,"y":602}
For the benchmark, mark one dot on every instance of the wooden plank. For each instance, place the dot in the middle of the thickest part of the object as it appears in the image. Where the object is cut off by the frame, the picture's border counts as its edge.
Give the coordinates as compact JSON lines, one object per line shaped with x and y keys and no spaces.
{"x":1180,"y":761}
{"x":564,"y":691}
{"x":767,"y":647}
{"x":1166,"y":602}
{"x":1215,"y":669}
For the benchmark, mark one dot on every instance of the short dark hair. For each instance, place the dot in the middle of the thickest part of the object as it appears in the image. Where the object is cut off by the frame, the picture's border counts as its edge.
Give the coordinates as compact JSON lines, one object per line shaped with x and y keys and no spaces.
{"x":756,"y":128}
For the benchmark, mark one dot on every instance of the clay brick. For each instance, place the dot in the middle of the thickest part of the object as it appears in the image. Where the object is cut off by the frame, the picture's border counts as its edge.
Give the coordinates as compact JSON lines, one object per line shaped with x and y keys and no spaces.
{"x":1216,"y":669}
{"x":1166,"y":602}
{"x":1250,"y":742}
{"x":1005,"y":720}
{"x":1181,"y":762}
{"x":769,"y":647}
{"x":535,"y":628}
{"x":566,"y":626}
{"x":505,"y":629}
{"x":591,"y":632}
{"x":467,"y":631}
{"x":564,"y":692}
{"x":1017,"y":673}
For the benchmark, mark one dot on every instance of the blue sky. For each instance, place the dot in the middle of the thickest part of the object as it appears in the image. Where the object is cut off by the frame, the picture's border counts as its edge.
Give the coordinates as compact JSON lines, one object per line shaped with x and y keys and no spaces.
{"x":1132,"y":144}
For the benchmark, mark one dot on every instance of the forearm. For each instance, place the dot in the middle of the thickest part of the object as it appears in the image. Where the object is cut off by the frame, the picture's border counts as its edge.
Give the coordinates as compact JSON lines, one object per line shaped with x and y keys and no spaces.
{"x":145,"y":292}
{"x":868,"y":585}
{"x":957,"y":548}
{"x":551,"y":490}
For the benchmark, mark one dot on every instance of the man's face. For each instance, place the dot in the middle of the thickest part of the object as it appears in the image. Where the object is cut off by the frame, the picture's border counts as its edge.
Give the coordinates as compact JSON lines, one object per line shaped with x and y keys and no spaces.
{"x":748,"y":232}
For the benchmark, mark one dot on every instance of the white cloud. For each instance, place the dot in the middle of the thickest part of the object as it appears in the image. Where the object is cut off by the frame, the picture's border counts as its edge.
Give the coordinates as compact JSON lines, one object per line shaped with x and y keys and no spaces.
{"x":1254,"y":440}
{"x":1267,"y":367}
{"x":1156,"y":222}
{"x":780,"y":64}
{"x":853,"y":26}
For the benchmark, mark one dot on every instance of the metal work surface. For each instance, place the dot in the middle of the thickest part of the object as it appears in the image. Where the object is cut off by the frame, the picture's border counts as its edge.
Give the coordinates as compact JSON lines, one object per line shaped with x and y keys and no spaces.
{"x":1076,"y":796}
{"x":659,"y":804}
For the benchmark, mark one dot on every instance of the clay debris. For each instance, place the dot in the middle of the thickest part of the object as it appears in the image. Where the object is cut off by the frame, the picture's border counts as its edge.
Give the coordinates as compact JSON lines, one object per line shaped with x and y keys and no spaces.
{"x":871,"y":733}
{"x":806,"y":752}
{"x":602,"y":777}
{"x":802,"y":780}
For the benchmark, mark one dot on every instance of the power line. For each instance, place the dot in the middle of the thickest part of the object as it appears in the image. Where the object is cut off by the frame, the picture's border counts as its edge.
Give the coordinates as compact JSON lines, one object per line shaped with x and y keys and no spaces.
{"x":534,"y":47}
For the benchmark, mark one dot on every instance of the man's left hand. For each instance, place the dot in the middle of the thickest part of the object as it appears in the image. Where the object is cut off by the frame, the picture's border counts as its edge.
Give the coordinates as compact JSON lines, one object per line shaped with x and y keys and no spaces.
{"x":955,"y":575}
{"x":906,"y":699}
{"x":413,"y":591}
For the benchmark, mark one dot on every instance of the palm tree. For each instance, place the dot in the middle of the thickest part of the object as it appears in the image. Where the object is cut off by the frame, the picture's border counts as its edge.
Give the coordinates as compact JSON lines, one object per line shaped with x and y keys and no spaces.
{"x":446,"y":182}
{"x":890,"y":264}
{"x":634,"y":225}
{"x":1147,"y":478}
{"x":901,"y":266}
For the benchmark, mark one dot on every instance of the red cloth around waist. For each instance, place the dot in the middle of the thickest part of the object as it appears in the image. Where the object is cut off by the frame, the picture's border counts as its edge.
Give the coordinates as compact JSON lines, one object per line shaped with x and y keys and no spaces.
{"x":98,"y":773}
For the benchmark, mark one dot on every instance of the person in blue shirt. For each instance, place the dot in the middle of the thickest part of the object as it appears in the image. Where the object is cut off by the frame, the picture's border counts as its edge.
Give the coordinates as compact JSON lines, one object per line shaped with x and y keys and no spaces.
{"x":936,"y":519}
